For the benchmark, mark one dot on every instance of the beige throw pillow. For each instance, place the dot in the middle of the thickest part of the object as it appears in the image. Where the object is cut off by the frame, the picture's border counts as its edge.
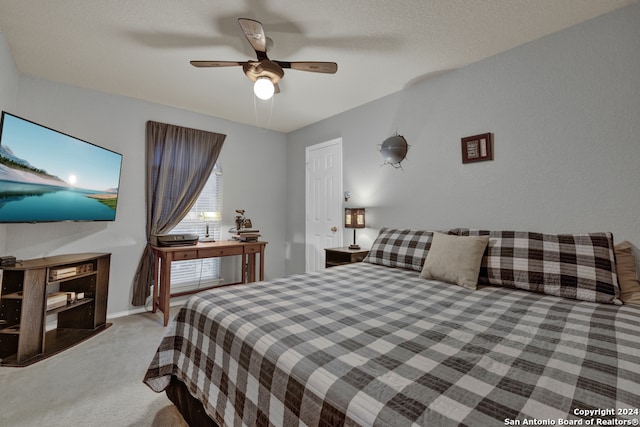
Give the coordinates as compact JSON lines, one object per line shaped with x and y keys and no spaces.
{"x":455,"y":259}
{"x":627,"y":275}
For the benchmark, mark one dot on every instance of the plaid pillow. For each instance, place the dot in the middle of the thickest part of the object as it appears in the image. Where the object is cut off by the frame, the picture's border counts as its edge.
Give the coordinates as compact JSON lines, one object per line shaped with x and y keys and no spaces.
{"x":400,"y":248}
{"x":577,"y":266}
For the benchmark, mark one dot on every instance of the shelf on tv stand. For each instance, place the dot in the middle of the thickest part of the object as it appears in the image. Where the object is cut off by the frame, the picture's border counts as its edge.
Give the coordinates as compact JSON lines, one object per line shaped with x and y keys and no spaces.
{"x":69,"y":306}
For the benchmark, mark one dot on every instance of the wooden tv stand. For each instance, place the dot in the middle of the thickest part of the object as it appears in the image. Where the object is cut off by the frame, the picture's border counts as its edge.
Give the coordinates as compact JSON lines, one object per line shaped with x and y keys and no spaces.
{"x":23,"y":305}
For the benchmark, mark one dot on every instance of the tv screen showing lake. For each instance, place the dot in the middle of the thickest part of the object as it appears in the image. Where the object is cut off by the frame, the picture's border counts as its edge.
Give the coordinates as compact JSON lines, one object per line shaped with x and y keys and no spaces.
{"x":47,"y":176}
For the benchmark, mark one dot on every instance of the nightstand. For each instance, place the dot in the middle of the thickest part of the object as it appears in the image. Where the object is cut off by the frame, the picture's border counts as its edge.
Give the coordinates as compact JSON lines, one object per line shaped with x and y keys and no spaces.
{"x":340,"y":256}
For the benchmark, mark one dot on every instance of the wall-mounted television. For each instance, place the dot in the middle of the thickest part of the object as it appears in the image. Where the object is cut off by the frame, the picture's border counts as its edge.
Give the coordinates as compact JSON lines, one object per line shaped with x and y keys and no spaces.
{"x":48,"y":176}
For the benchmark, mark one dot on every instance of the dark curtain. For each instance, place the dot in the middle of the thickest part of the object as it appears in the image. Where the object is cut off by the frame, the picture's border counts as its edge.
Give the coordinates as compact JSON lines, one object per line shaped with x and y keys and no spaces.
{"x":178,"y":163}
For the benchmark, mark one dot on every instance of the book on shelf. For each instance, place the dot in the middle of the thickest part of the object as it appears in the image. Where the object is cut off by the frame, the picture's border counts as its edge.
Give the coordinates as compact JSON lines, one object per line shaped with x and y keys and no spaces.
{"x":56,"y":299}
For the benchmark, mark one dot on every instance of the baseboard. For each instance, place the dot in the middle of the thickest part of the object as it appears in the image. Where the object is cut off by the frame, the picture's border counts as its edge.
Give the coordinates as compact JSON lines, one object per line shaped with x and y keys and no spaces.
{"x":129,"y":312}
{"x":138,"y":310}
{"x":174,"y":301}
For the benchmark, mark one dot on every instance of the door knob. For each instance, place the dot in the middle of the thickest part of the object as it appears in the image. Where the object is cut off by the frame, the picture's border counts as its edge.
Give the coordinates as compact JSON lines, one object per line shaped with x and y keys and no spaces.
{"x":334,"y":229}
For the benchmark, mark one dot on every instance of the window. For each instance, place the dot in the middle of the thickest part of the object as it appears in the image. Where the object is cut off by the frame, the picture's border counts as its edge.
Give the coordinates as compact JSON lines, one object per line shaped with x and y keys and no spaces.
{"x":200,"y":272}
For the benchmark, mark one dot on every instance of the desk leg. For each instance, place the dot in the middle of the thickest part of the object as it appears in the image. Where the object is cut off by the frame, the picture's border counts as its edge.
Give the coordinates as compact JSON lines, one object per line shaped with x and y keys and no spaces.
{"x":156,"y":282}
{"x":243,"y":273}
{"x":262,"y":263}
{"x":165,"y":291}
{"x":251,"y":267}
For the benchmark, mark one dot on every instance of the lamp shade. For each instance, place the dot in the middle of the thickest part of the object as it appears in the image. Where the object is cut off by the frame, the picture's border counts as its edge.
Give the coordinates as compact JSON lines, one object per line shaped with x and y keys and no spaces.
{"x":263,"y":88}
{"x":211,"y":216}
{"x":354,"y":218}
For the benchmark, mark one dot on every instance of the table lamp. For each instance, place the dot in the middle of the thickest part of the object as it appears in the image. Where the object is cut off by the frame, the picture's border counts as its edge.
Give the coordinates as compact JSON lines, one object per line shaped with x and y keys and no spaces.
{"x":354,"y":218}
{"x":209,"y":216}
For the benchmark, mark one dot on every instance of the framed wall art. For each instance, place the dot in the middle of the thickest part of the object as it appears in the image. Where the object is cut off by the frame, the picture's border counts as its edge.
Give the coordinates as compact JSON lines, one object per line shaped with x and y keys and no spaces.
{"x":477,"y":148}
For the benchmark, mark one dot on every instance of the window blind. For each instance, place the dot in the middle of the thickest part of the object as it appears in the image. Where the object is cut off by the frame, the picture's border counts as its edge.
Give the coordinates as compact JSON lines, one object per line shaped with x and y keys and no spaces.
{"x":192,"y":274}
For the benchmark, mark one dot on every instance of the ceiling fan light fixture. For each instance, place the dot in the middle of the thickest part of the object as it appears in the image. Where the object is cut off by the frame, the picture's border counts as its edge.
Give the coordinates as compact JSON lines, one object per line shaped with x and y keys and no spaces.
{"x":265,"y":73}
{"x":263,"y":88}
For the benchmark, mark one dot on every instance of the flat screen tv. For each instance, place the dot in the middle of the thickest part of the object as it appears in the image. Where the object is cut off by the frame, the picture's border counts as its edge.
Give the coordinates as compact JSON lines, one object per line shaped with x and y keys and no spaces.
{"x":48,"y":176}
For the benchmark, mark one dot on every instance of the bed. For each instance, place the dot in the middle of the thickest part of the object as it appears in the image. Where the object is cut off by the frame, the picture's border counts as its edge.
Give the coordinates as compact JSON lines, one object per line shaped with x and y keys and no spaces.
{"x":539,"y":335}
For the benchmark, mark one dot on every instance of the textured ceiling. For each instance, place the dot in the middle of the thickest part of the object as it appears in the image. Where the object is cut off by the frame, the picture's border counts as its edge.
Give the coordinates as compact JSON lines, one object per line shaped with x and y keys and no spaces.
{"x":142,"y":48}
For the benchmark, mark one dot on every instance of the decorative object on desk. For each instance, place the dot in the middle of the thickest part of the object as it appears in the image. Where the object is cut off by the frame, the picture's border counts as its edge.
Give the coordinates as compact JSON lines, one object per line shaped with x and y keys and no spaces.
{"x":394,"y":150}
{"x":354,"y":218}
{"x":477,"y":148}
{"x":209,"y":216}
{"x":241,"y":221}
{"x":244,"y":230}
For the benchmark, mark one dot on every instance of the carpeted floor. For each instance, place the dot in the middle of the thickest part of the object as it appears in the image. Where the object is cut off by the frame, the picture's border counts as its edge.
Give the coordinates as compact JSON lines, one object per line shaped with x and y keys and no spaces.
{"x":95,"y":383}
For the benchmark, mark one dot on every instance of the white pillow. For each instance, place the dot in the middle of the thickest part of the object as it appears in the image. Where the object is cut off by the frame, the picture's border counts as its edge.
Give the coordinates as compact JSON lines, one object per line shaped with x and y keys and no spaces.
{"x":455,"y":259}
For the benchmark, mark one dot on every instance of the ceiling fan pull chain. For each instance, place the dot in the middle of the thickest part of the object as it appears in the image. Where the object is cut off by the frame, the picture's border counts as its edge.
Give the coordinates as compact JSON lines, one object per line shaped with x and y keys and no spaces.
{"x":255,"y":112}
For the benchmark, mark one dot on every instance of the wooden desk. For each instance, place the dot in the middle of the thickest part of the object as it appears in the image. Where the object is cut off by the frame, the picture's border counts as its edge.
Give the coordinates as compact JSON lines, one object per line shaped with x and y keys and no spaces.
{"x":164,"y":255}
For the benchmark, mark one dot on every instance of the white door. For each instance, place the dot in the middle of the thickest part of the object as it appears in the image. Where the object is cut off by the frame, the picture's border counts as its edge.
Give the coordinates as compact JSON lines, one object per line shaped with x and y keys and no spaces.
{"x":323,"y":201}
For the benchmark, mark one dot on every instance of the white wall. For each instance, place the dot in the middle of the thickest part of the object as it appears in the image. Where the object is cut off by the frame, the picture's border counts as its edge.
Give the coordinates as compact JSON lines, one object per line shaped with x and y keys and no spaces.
{"x":8,"y":77}
{"x":565,"y":113}
{"x":253,"y":163}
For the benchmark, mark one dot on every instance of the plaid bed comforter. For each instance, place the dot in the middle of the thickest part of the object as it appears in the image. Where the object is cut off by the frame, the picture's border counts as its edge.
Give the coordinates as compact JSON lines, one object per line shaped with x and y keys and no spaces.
{"x":364,"y":344}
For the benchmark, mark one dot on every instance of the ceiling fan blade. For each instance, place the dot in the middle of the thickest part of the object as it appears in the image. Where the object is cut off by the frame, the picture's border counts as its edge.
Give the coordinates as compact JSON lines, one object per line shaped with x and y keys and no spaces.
{"x":276,"y":88}
{"x":255,"y":35}
{"x":215,"y":63}
{"x":316,"y":67}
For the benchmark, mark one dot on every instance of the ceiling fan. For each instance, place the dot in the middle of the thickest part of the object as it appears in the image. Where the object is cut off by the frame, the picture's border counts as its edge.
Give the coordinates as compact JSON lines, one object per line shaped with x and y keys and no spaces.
{"x":266,"y":73}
